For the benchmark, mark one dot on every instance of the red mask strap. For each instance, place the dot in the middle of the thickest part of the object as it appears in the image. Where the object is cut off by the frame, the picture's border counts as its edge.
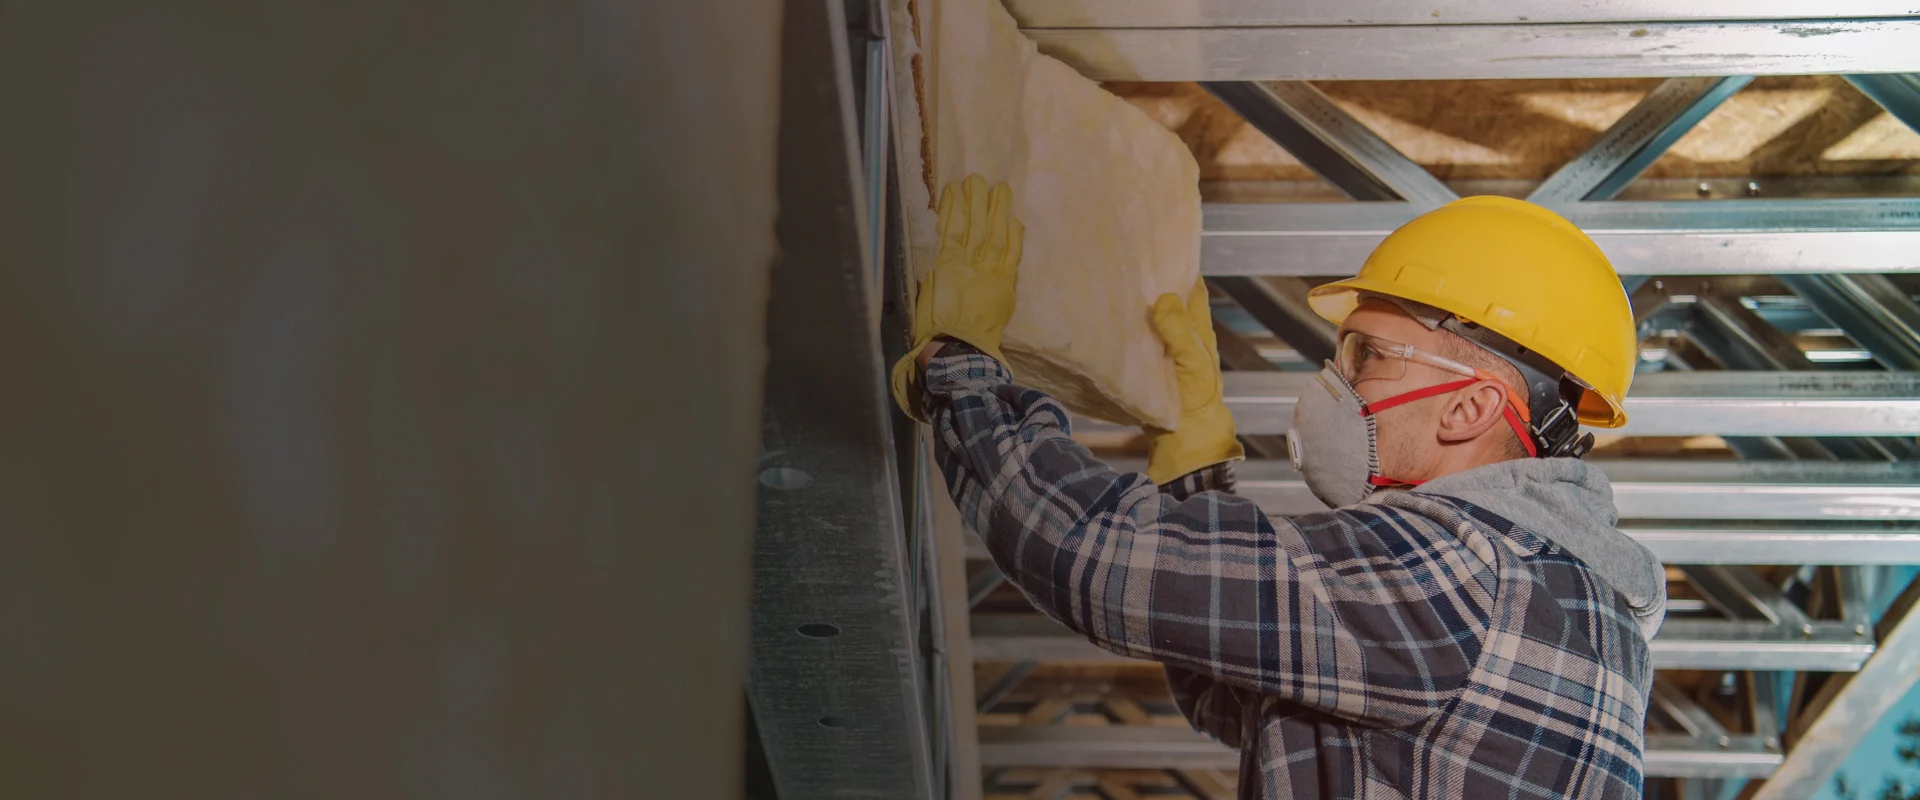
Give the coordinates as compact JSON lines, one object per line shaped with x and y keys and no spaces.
{"x":1382,"y":480}
{"x":1417,"y":394}
{"x":1513,"y":419}
{"x":1526,"y":439}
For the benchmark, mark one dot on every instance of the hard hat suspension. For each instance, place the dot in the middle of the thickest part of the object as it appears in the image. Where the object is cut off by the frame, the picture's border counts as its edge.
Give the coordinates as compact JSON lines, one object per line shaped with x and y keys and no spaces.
{"x":1552,"y":393}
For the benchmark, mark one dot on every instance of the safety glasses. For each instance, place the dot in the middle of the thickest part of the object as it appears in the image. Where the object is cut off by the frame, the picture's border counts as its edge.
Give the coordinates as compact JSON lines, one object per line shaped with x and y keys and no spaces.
{"x":1362,"y":357}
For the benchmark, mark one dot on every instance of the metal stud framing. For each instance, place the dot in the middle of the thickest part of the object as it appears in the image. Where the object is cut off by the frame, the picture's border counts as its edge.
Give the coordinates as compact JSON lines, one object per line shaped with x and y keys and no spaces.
{"x":845,"y":691}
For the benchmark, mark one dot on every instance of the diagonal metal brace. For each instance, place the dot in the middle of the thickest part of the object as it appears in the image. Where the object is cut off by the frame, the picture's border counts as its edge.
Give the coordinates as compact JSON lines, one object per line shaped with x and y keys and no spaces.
{"x":1329,"y":141}
{"x":1638,"y":139}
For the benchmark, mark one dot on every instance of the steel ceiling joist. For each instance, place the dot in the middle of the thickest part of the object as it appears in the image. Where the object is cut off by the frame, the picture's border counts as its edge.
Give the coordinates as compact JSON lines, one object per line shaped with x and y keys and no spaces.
{"x":1345,"y":13}
{"x":1805,"y":403}
{"x":1659,"y":489}
{"x":1778,"y":542}
{"x":1714,"y":753}
{"x":1522,"y":50}
{"x":1653,"y":237}
{"x":836,"y":677}
{"x":1823,"y":645}
{"x":1637,"y":140}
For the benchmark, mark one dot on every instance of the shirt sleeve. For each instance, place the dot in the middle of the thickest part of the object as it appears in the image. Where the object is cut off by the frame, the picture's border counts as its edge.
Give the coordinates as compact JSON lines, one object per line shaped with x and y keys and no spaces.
{"x":1371,"y":614}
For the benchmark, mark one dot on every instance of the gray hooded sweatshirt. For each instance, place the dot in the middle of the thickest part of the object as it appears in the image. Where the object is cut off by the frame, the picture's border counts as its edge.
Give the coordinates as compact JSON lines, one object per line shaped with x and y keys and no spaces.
{"x":1569,"y":503}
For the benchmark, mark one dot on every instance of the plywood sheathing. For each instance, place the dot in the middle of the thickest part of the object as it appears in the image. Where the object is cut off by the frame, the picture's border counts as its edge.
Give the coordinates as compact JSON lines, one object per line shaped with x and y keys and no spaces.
{"x":1526,"y":129}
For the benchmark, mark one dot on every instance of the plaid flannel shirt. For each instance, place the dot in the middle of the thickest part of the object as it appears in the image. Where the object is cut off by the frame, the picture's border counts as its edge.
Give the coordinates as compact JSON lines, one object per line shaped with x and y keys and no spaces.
{"x":1413,"y":646}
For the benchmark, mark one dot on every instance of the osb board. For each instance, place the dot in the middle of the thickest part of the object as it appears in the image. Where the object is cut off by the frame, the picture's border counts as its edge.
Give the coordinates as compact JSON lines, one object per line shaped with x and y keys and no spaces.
{"x":1526,"y":129}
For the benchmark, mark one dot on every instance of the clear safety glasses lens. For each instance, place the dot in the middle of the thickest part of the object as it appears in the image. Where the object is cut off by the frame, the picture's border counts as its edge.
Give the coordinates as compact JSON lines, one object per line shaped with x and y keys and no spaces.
{"x":1365,"y":358}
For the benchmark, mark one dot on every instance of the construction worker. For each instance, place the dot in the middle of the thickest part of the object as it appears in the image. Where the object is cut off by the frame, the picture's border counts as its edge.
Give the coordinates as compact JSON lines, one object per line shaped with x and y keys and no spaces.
{"x":1464,"y":623}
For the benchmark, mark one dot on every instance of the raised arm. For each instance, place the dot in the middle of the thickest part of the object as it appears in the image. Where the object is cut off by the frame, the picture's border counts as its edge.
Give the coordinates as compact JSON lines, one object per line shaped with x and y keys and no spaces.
{"x":1370,"y":613}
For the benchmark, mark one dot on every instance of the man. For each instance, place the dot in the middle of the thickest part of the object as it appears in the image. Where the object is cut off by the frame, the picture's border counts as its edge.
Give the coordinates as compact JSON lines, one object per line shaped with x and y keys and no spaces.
{"x":1465,"y":623}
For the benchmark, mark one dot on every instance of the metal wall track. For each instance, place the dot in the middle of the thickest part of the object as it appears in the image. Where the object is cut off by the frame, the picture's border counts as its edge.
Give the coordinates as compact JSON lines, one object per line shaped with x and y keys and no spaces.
{"x":846,"y":684}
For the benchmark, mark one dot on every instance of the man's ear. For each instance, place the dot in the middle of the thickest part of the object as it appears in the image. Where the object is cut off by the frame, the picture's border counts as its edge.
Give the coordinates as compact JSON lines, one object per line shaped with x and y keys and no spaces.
{"x":1471,"y":412}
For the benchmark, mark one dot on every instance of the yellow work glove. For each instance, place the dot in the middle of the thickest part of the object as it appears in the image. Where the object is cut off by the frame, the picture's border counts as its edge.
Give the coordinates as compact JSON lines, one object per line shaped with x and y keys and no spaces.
{"x":968,"y":295}
{"x":1205,"y":436}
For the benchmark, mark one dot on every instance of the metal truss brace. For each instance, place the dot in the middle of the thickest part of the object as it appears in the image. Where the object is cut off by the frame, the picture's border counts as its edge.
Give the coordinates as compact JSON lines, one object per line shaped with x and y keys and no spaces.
{"x":1870,"y":310}
{"x":1740,"y":339}
{"x":1898,"y":94}
{"x":1280,"y":304}
{"x":1349,"y":155}
{"x":1848,"y":706}
{"x":1637,"y":139}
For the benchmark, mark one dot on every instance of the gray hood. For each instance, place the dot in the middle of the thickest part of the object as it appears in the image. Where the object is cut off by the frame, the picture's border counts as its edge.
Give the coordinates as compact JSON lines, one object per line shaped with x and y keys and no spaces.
{"x":1570,"y":503}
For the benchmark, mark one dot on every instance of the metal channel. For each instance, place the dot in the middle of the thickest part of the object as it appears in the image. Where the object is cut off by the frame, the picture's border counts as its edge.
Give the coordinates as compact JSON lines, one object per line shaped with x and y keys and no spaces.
{"x":1826,"y":646}
{"x":1642,"y":237}
{"x":1152,"y":747}
{"x":1742,"y":756}
{"x":1453,"y":52}
{"x":1637,"y":140}
{"x":835,"y":684}
{"x":1684,"y":490}
{"x":1778,"y":542}
{"x":1678,"y":403}
{"x":1263,"y":13}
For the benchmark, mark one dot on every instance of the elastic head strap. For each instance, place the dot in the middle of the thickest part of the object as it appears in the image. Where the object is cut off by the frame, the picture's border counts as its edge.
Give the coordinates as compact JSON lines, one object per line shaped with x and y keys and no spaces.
{"x":1367,"y":409}
{"x":1520,"y":428}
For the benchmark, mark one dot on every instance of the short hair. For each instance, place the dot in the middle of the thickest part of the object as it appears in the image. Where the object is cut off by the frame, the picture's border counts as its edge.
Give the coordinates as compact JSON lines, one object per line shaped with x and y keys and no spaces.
{"x":1459,"y":348}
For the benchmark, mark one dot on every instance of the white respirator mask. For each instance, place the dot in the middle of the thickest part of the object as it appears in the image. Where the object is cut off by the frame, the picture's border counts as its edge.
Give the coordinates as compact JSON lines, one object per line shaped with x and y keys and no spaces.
{"x":1334,"y":442}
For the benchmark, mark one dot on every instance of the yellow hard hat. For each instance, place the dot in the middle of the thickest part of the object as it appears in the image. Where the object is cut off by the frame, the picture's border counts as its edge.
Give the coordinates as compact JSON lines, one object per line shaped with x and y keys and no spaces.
{"x":1518,"y":270}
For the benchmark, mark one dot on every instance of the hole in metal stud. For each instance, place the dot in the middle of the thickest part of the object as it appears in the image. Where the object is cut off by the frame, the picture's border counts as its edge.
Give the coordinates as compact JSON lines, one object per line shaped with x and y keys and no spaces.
{"x":784,"y":478}
{"x":819,"y":630}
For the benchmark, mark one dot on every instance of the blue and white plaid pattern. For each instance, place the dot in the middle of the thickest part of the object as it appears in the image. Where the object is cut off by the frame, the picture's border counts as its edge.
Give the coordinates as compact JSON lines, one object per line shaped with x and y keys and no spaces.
{"x":1414,"y":646}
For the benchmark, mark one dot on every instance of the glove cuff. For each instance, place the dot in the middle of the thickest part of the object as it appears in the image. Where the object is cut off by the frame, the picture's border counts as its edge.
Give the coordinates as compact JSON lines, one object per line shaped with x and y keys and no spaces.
{"x":907,"y":379}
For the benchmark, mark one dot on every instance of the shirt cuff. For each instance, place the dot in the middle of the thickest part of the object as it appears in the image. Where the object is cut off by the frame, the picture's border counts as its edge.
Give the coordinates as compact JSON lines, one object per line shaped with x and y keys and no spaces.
{"x":1216,"y":478}
{"x":960,"y":366}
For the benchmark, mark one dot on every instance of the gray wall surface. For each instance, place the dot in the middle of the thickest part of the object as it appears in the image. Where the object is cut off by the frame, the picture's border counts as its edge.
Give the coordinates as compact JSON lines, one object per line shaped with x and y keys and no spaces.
{"x":379,"y":388}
